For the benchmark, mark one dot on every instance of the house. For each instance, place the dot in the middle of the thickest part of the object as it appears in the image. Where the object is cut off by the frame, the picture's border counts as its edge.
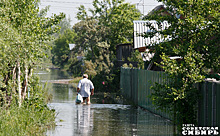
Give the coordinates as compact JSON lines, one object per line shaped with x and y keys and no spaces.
{"x":143,"y":44}
{"x":140,"y":28}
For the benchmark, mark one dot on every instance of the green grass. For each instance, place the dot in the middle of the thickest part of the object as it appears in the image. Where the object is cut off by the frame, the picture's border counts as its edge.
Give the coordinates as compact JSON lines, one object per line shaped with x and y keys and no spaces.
{"x":25,"y":120}
{"x":32,"y":118}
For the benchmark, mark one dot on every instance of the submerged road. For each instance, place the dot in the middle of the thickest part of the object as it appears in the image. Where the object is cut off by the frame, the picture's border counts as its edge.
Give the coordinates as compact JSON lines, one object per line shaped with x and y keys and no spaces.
{"x":98,"y":119}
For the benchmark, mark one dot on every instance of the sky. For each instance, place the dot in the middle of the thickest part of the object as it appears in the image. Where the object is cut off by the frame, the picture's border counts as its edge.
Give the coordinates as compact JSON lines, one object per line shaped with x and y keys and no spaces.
{"x":69,"y":7}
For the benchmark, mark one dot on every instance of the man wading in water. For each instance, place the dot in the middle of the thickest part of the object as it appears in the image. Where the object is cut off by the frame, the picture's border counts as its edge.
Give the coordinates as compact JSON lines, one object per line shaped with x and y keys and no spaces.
{"x":85,"y":88}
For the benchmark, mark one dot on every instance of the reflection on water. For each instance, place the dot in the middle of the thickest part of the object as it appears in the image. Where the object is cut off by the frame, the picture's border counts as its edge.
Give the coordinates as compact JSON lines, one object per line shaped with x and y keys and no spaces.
{"x":83,"y":120}
{"x":101,"y":119}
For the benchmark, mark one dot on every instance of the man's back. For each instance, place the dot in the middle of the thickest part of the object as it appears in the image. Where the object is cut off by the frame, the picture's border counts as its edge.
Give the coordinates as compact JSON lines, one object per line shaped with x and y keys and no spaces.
{"x":85,"y":86}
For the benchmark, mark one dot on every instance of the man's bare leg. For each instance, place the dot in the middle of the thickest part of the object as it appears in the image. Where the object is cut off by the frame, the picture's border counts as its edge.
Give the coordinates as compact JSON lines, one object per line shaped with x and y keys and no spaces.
{"x":88,"y":100}
{"x":84,"y":101}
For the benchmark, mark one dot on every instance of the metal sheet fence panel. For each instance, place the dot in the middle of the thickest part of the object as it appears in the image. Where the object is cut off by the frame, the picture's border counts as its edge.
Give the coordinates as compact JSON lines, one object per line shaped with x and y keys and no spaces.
{"x":128,"y":83}
{"x":136,"y":84}
{"x":152,"y":79}
{"x":148,"y":84}
{"x":201,"y":105}
{"x":145,"y":80}
{"x":209,"y":104}
{"x":218,"y":105}
{"x":208,"y":108}
{"x":121,"y":81}
{"x":122,"y":78}
{"x":142,"y":91}
{"x":125,"y":83}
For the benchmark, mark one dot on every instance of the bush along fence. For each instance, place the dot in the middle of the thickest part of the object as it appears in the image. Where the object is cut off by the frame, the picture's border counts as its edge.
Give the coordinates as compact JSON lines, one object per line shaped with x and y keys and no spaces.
{"x":135,"y":85}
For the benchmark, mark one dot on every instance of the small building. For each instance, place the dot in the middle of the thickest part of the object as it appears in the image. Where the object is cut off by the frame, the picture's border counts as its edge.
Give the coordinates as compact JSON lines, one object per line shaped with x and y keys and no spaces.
{"x":123,"y":51}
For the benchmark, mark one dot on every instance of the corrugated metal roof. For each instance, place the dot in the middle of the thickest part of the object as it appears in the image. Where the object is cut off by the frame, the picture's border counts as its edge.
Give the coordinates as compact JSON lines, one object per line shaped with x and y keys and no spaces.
{"x":140,"y":28}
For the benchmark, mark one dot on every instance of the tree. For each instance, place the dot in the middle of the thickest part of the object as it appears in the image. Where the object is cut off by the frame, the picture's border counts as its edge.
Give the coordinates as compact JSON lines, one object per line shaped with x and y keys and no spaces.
{"x":64,"y":24}
{"x":102,"y":69}
{"x":193,"y":37}
{"x":110,"y":23}
{"x":117,"y":17}
{"x":24,"y":37}
{"x":89,"y":34}
{"x":61,"y":49}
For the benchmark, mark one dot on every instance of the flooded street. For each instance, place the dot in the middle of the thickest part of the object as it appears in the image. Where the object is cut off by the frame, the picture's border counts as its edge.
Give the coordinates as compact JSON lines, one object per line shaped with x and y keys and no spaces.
{"x":98,"y":119}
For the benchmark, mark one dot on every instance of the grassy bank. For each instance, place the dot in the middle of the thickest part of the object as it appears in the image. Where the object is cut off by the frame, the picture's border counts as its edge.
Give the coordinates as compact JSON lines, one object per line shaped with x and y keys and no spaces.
{"x":33,"y":117}
{"x":25,"y":121}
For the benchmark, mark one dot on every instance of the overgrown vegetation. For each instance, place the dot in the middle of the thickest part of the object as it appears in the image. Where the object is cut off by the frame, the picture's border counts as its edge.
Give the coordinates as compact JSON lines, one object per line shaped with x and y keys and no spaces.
{"x":100,"y":29}
{"x":33,"y":117}
{"x":24,"y":34}
{"x":194,"y":36}
{"x":110,"y":24}
{"x":61,"y":49}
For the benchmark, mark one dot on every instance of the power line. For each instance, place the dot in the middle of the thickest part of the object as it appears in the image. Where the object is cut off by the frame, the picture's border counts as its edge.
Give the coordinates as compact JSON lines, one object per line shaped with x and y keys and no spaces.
{"x":75,"y":6}
{"x":53,"y":1}
{"x":145,"y":5}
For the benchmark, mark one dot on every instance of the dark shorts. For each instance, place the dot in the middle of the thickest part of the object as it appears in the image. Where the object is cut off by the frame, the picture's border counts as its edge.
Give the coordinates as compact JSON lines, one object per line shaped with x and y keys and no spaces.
{"x":84,"y":98}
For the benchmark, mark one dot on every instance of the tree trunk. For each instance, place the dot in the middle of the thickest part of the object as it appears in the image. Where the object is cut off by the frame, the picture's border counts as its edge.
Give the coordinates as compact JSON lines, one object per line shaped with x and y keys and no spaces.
{"x":19,"y":83}
{"x":25,"y":83}
{"x":13,"y":79}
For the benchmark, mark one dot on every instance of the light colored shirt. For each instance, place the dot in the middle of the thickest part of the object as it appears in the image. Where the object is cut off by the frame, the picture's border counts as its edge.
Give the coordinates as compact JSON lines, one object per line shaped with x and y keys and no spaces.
{"x":85,"y":86}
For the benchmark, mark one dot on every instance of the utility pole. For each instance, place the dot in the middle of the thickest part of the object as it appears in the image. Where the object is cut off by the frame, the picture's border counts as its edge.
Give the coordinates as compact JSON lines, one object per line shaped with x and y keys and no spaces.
{"x":143,"y":7}
{"x":139,"y":3}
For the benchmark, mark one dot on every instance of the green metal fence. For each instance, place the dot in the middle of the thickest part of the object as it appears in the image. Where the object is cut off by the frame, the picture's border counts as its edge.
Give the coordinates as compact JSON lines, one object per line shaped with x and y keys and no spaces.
{"x":135,"y":85}
{"x":209,"y":108}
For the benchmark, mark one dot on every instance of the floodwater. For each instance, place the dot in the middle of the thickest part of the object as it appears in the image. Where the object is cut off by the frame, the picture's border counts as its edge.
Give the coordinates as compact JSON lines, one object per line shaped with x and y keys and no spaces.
{"x":98,"y":119}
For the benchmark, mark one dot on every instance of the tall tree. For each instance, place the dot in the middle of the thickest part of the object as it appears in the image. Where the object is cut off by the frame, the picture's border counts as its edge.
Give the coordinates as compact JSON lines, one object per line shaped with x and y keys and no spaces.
{"x":89,"y":34}
{"x":31,"y":32}
{"x":107,"y":24}
{"x":116,"y":16}
{"x":194,"y":37}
